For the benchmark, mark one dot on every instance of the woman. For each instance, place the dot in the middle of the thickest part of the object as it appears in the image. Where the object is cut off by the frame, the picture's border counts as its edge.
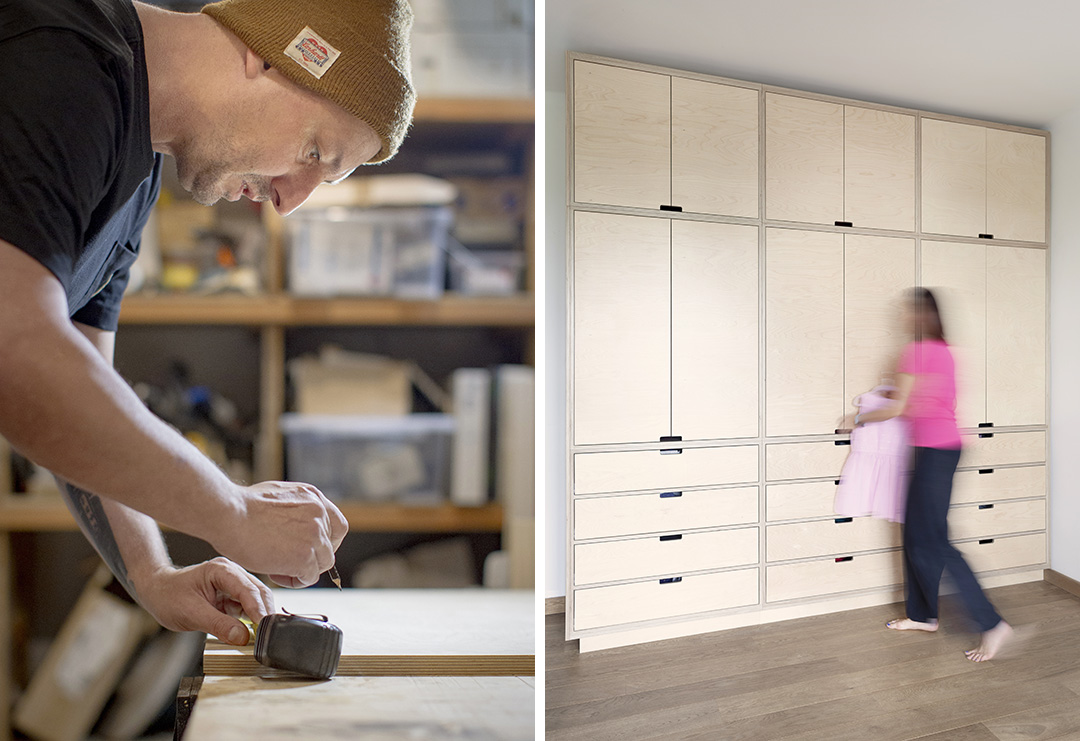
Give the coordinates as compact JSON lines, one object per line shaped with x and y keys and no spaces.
{"x":926,"y":397}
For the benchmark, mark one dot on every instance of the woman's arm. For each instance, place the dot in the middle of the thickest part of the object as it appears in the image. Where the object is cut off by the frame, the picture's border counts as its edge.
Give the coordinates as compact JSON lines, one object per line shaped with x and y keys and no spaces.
{"x":904,"y":382}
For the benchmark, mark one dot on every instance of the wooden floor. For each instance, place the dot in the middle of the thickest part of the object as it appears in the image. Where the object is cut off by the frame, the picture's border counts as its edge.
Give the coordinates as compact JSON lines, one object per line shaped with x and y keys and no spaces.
{"x":840,"y":676}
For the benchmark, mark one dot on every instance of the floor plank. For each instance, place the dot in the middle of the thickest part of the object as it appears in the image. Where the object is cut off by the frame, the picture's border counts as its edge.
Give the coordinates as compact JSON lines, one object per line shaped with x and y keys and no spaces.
{"x":840,"y":676}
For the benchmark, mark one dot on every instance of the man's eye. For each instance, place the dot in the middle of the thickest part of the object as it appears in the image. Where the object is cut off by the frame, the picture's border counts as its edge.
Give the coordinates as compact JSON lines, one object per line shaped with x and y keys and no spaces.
{"x":314,"y":154}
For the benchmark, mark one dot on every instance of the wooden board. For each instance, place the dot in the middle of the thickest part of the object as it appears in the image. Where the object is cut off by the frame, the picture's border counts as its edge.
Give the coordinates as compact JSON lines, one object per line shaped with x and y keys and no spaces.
{"x":804,"y":159}
{"x":879,"y":169}
{"x":953,"y":178}
{"x":464,"y":632}
{"x":364,"y":707}
{"x":1015,"y":185}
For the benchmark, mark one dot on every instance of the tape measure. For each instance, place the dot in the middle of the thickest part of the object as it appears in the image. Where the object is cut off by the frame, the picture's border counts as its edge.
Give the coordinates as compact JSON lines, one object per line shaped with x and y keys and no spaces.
{"x":305,"y":644}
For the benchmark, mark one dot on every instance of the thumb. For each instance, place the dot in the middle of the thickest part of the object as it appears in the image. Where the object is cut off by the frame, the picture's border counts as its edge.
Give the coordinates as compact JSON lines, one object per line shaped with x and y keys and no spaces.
{"x":218,"y":624}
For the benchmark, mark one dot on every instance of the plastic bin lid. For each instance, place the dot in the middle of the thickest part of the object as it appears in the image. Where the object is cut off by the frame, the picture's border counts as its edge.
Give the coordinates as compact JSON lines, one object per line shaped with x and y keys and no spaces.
{"x":367,"y":424}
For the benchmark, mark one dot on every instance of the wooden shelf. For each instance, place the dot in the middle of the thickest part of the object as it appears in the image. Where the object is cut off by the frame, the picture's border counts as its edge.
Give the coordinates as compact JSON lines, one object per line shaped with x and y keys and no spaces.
{"x":289,"y":311}
{"x":475,"y":110}
{"x":50,"y":514}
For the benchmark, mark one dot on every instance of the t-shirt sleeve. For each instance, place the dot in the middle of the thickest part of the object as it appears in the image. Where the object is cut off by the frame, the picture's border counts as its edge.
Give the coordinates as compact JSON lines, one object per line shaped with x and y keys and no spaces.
{"x":103,"y":310}
{"x":59,"y":116}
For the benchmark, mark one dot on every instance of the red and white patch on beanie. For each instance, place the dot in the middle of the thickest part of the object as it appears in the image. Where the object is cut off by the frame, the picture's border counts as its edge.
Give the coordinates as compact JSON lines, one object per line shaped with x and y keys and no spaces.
{"x":312,"y":52}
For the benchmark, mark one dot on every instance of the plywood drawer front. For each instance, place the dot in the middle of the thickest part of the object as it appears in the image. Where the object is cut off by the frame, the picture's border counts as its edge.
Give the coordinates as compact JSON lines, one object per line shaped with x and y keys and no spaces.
{"x":1004,"y":448}
{"x":598,"y":607}
{"x":804,"y":460}
{"x":797,"y":501}
{"x":637,"y":514}
{"x":664,"y":554}
{"x":815,"y":578}
{"x":1005,"y":553}
{"x":828,"y":537}
{"x":996,"y":519}
{"x":600,"y":473}
{"x":999,"y":483}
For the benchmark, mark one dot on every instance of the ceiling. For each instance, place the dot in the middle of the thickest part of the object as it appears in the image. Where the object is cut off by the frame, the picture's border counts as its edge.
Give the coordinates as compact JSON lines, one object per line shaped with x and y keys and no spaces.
{"x":1013,"y":61}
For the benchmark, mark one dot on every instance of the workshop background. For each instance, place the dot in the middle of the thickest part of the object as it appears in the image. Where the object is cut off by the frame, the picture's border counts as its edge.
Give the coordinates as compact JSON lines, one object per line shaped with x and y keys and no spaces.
{"x":377,"y":343}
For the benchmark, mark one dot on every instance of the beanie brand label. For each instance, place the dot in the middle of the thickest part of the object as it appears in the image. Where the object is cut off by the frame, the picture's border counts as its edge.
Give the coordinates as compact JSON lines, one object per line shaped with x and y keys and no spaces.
{"x":312,"y":52}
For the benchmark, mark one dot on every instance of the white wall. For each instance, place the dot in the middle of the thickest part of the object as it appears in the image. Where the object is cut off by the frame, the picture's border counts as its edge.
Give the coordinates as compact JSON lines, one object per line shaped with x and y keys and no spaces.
{"x":555,"y":341}
{"x":1065,"y":343}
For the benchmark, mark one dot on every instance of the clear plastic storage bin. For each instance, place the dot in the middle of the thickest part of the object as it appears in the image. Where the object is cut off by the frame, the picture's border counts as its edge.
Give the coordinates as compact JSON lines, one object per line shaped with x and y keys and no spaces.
{"x":341,"y":251}
{"x":402,"y":459}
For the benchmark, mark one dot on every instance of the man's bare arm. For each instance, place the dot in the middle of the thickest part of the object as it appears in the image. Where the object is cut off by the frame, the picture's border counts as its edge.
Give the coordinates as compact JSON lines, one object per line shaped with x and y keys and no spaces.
{"x":64,"y":407}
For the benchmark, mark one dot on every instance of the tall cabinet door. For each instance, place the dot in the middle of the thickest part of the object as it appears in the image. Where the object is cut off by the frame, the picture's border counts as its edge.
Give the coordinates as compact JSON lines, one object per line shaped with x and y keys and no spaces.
{"x":953,"y":178}
{"x":714,"y":148}
{"x":879,"y":273}
{"x":804,"y":332}
{"x":621,"y":316}
{"x":714,"y":330}
{"x":879,"y":169}
{"x":622,"y":136}
{"x":804,"y":159}
{"x":957,"y":275}
{"x":1015,"y":185}
{"x":1015,"y":335}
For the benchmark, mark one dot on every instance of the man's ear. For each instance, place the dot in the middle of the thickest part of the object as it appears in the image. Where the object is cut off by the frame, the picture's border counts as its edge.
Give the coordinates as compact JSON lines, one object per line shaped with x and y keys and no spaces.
{"x":254,"y":65}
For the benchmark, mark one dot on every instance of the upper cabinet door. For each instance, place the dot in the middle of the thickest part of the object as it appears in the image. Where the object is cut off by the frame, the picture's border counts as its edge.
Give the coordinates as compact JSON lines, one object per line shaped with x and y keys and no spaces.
{"x":804,"y":332}
{"x":1015,"y":185}
{"x":1015,"y":335}
{"x":953,"y":178}
{"x":622,"y":136}
{"x":622,"y":321}
{"x":879,"y":273}
{"x":957,"y":274}
{"x":714,"y":148}
{"x":714,"y":325}
{"x":879,"y":169}
{"x":804,"y":159}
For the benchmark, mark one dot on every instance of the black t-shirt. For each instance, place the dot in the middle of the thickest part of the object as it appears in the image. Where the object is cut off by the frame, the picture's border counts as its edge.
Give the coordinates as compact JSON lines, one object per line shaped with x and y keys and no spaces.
{"x":78,"y":175}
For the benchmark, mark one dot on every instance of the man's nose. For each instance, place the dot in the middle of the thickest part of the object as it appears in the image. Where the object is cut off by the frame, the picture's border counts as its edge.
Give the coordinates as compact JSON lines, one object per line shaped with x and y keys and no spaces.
{"x":287,"y":192}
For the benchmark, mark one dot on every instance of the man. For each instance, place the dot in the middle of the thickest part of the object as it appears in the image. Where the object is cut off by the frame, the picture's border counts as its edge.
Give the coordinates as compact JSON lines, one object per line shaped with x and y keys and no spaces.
{"x":263,"y":99}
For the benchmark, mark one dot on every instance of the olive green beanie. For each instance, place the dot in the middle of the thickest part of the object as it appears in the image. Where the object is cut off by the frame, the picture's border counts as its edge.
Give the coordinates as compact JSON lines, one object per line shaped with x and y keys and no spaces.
{"x":353,"y":52}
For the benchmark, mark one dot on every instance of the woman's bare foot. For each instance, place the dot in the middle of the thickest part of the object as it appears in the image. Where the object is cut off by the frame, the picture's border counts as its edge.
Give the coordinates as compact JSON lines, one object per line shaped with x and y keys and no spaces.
{"x":992,"y":641}
{"x":908,"y":624}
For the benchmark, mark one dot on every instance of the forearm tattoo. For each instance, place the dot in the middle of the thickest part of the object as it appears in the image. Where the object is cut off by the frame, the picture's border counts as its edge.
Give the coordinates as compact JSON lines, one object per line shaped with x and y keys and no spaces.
{"x":90,"y":515}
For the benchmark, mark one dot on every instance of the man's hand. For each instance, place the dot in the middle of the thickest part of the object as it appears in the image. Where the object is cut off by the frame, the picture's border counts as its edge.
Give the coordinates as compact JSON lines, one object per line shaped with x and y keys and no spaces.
{"x":285,"y":529}
{"x":208,"y":597}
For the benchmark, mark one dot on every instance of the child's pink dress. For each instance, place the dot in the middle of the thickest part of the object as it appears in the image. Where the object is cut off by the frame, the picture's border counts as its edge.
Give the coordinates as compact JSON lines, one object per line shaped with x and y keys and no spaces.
{"x":874,"y":478}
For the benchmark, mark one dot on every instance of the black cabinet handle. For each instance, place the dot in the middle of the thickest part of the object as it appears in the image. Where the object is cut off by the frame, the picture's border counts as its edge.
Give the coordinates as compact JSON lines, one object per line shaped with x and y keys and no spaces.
{"x":986,"y":541}
{"x":841,"y":442}
{"x":842,"y":559}
{"x":670,"y":494}
{"x":837,"y":482}
{"x":670,"y":537}
{"x":842,"y":223}
{"x":986,"y":470}
{"x":670,"y":439}
{"x":668,"y":207}
{"x":671,"y":580}
{"x":842,"y":520}
{"x":986,"y":236}
{"x":986,"y":434}
{"x":986,"y":506}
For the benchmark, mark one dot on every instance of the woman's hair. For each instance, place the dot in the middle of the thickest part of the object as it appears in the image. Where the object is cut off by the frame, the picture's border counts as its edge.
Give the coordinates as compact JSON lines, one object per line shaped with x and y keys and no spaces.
{"x":928,"y":325}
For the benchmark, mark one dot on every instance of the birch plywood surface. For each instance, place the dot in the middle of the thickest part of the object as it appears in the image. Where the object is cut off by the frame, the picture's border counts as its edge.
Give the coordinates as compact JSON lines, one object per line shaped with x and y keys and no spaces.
{"x":953,"y":178}
{"x":879,"y":169}
{"x":622,"y":136}
{"x":622,"y":324}
{"x":957,"y":275}
{"x":879,"y":273}
{"x":1015,"y":336}
{"x":1015,"y":185}
{"x":383,"y":708}
{"x":714,"y":148}
{"x":714,"y":326}
{"x":408,"y":632}
{"x":804,"y":159}
{"x":804,"y":332}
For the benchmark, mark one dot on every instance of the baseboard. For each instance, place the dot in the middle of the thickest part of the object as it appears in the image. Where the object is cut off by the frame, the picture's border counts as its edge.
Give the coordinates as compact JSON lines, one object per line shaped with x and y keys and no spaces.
{"x":1070,"y":585}
{"x":554,"y":605}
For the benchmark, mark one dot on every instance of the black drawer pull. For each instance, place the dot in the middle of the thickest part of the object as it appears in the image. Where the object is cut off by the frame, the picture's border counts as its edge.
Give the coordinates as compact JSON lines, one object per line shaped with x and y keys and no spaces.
{"x":841,"y":442}
{"x":667,"y":207}
{"x":986,"y":506}
{"x":842,"y":520}
{"x":984,"y":435}
{"x":670,"y":439}
{"x":670,"y":494}
{"x":842,"y":223}
{"x":986,"y":424}
{"x":986,"y":541}
{"x":670,"y":451}
{"x":986,"y":470}
{"x":671,"y":580}
{"x":986,"y":236}
{"x":670,"y":537}
{"x":837,"y":482}
{"x":842,"y":559}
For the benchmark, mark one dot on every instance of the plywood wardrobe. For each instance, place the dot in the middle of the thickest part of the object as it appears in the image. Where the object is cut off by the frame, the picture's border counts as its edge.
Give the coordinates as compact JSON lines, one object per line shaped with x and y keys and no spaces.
{"x":738,"y":257}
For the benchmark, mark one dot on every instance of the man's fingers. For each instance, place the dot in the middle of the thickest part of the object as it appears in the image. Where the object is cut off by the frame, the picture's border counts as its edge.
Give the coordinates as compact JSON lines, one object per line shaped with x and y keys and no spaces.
{"x":241,"y":586}
{"x":228,"y":629}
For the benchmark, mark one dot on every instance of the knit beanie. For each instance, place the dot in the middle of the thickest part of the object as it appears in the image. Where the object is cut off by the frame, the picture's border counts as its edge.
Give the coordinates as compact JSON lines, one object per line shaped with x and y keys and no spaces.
{"x":352,"y":52}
